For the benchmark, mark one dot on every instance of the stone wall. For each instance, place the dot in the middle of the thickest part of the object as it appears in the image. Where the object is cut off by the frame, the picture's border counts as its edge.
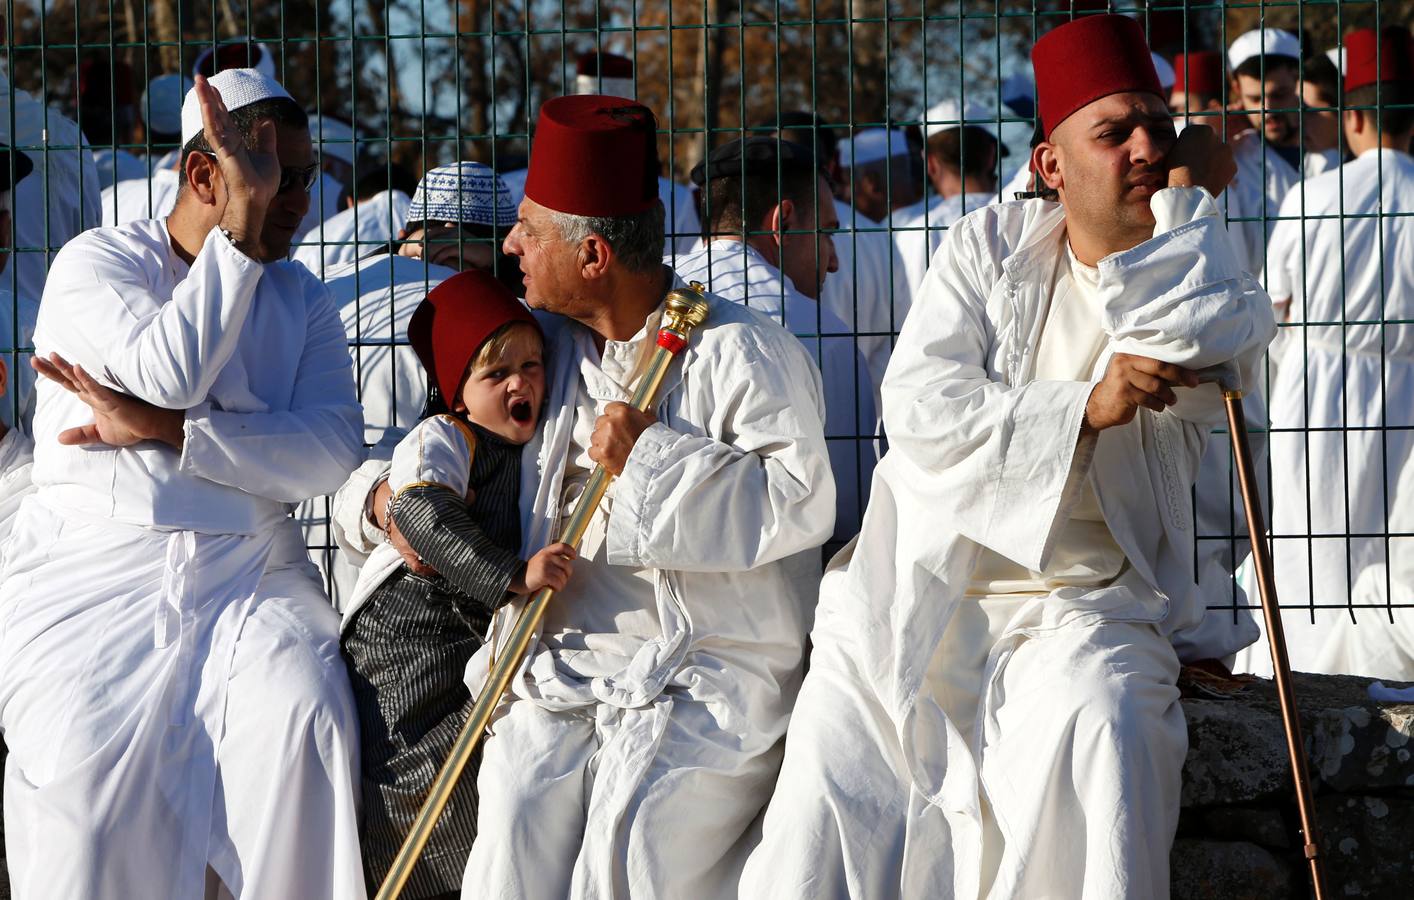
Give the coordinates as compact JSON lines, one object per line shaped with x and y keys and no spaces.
{"x":1238,"y":829}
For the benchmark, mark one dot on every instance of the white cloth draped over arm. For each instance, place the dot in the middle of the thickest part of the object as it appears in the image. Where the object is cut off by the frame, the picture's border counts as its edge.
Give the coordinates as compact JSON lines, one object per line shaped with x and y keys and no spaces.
{"x":1184,"y":297}
{"x":170,"y":357}
{"x":290,"y":455}
{"x":1001,"y":459}
{"x":698,"y":504}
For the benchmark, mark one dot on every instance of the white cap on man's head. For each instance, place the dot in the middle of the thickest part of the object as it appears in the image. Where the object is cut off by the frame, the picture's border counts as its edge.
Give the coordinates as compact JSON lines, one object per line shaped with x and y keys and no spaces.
{"x":1263,"y":42}
{"x":873,"y":145}
{"x":238,"y":88}
{"x":1337,"y":57}
{"x":161,"y":106}
{"x":467,"y":192}
{"x":332,"y":137}
{"x":1165,"y":71}
{"x":948,"y":114}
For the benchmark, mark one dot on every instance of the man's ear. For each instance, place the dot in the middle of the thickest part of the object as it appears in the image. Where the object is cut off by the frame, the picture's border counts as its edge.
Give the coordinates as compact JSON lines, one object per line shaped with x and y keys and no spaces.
{"x":595,"y":256}
{"x":1046,"y":163}
{"x":1354,"y":121}
{"x":782,"y":219}
{"x":203,"y":178}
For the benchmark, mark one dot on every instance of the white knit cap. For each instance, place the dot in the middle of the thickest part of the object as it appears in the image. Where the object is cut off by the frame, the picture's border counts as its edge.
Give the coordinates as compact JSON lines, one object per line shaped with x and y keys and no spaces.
{"x":238,"y":88}
{"x":161,"y":105}
{"x":1263,"y":42}
{"x":1164,"y":68}
{"x":946,"y":114}
{"x":468,"y":192}
{"x":332,"y":137}
{"x":873,"y":145}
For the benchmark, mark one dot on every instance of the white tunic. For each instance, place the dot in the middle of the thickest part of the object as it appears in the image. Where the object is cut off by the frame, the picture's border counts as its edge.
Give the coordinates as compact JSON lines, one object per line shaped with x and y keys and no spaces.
{"x":323,"y":205}
{"x":917,"y":236}
{"x":60,"y":195}
{"x":1068,"y":784}
{"x":647,"y":779}
{"x":376,"y":297}
{"x":870,"y":292}
{"x":1253,"y":200}
{"x":16,"y":465}
{"x":1327,"y":484}
{"x":736,"y":271}
{"x":356,"y":232}
{"x":141,"y":198}
{"x":172,"y":694}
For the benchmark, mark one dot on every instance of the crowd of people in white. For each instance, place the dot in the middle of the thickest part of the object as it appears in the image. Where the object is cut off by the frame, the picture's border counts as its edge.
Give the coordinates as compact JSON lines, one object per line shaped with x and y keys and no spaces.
{"x":948,"y":428}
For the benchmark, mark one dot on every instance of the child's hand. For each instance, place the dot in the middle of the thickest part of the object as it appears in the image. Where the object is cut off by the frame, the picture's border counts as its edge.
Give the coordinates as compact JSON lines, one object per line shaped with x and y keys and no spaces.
{"x":550,"y":568}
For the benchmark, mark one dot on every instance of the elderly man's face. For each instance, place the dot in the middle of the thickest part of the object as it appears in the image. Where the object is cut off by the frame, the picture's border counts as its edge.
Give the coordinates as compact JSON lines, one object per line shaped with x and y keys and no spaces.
{"x":1109,"y":159}
{"x":1277,"y":92}
{"x":807,"y":258}
{"x":550,"y":265}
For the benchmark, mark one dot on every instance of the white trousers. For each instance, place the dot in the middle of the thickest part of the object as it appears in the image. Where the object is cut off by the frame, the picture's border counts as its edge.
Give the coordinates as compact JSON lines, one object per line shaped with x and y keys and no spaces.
{"x":161,"y":727}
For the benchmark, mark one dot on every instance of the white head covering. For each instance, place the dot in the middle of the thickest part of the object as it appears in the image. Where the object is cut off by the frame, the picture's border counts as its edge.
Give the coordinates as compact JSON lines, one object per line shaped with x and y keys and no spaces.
{"x":238,"y":87}
{"x":161,"y":105}
{"x":264,"y":62}
{"x":337,"y":137}
{"x":946,"y":114}
{"x":467,"y":192}
{"x":873,"y":145}
{"x":1165,"y":71}
{"x":1337,"y":57}
{"x":1263,"y":42}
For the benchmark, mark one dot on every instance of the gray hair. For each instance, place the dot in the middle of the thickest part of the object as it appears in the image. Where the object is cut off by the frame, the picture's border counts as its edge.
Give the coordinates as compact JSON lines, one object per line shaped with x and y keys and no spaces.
{"x":636,"y":240}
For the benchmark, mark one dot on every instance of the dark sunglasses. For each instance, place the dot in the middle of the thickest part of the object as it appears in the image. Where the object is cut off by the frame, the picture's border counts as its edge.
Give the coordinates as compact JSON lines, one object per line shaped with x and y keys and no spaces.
{"x":304,"y":176}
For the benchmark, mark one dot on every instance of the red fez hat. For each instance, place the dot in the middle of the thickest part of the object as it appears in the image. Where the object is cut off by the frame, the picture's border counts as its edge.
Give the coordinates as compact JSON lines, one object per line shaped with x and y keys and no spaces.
{"x":455,"y":319}
{"x":605,"y":65}
{"x":1089,"y":58}
{"x":1371,"y":58}
{"x":594,"y":155}
{"x":1199,"y":73}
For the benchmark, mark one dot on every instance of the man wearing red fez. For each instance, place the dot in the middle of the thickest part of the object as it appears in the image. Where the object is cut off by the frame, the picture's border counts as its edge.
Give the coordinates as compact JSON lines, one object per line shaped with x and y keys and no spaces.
{"x":991,"y":708}
{"x":1198,"y":87}
{"x":1350,"y":259}
{"x":642,"y":740}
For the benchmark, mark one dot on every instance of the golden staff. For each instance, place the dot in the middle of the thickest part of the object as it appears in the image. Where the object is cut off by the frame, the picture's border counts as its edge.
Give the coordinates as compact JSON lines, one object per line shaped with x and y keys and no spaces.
{"x":686,"y":309}
{"x":1276,"y":638}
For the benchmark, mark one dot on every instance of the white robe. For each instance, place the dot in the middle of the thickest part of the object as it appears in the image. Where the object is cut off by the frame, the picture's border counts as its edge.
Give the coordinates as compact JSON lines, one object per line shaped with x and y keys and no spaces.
{"x":16,"y":483}
{"x":375,"y":297}
{"x":324,"y":199}
{"x":1254,"y":198}
{"x":60,"y":195}
{"x":870,"y":292}
{"x":356,"y":232}
{"x":141,"y":198}
{"x":1072,"y":769}
{"x":917,"y":236}
{"x":647,"y":780}
{"x":171,"y":689}
{"x":735,"y":271}
{"x":1332,"y":483}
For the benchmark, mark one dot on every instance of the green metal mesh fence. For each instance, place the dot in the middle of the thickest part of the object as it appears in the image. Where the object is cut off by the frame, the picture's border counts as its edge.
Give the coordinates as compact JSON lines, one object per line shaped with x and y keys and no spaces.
{"x":423,"y":83}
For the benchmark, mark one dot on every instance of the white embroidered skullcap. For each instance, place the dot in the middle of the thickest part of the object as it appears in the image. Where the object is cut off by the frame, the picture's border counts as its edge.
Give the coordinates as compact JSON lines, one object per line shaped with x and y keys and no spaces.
{"x":1165,"y":71}
{"x":1263,"y":42}
{"x":468,"y":192}
{"x":264,"y":60}
{"x":947,"y":114}
{"x":332,"y":137}
{"x":238,"y":88}
{"x":873,"y":145}
{"x":161,"y":106}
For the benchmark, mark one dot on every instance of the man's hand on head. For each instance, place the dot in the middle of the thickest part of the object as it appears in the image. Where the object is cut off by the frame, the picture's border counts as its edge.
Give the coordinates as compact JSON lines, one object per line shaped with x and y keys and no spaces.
{"x":1131,"y":382}
{"x":119,"y":420}
{"x":615,"y":433}
{"x":1199,"y":159}
{"x":251,"y":174}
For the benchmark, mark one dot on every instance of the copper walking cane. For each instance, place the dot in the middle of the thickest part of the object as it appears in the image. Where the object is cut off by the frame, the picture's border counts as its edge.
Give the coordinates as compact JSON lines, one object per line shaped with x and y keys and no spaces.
{"x":1271,"y":612}
{"x":686,"y":309}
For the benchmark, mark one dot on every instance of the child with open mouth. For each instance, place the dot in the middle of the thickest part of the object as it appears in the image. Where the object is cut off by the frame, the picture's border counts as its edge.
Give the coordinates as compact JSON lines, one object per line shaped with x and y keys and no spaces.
{"x":411,"y":627}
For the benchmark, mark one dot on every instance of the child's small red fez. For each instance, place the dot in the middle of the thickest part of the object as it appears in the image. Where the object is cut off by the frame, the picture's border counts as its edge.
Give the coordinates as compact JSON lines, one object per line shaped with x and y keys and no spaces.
{"x":1089,"y":58}
{"x":1200,"y":72}
{"x":1372,"y":58}
{"x":455,"y":319}
{"x":594,"y":155}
